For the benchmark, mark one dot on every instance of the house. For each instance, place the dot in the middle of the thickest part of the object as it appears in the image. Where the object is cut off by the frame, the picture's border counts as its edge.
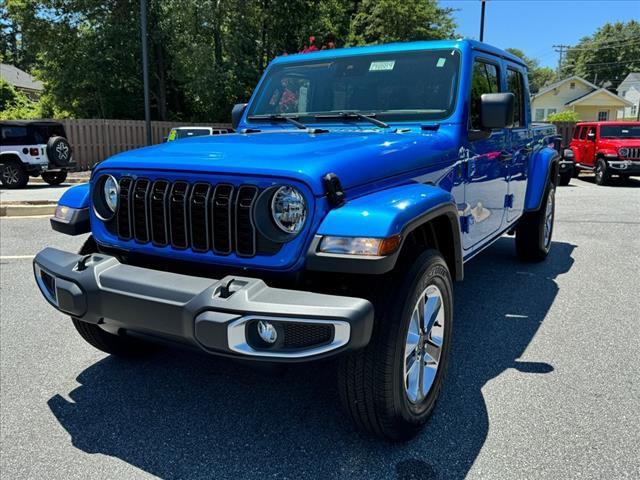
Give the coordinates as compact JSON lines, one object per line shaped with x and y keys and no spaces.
{"x":629,"y":89}
{"x":21,"y":80}
{"x":589,"y":101}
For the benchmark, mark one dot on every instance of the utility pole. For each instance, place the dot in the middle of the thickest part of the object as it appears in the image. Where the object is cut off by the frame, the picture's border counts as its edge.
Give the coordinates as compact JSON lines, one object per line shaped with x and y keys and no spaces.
{"x":561,"y":49}
{"x":484,"y":4}
{"x":145,"y":69}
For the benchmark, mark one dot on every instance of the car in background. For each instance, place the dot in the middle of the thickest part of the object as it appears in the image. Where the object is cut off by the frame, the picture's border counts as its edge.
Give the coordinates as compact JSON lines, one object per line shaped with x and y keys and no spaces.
{"x":179,"y":133}
{"x":31,"y":149}
{"x":606,"y":148}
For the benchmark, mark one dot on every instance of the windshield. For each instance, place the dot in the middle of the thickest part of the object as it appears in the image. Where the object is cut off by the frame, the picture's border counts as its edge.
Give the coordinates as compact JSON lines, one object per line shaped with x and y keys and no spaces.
{"x":620,"y":131}
{"x":392,"y":86}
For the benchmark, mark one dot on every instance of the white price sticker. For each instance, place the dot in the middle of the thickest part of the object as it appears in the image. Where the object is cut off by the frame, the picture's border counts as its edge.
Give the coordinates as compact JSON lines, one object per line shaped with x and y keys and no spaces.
{"x":382,"y":66}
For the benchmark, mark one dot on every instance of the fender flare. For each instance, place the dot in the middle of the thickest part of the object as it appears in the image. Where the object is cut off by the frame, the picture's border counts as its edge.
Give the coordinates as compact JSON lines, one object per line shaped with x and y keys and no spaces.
{"x":543,"y":165}
{"x":76,"y":198}
{"x":396,"y":211}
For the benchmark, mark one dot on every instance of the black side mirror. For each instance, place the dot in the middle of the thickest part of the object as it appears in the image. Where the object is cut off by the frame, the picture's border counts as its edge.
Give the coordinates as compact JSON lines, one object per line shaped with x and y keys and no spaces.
{"x":236,"y":114}
{"x":496,"y":110}
{"x":591,"y":136}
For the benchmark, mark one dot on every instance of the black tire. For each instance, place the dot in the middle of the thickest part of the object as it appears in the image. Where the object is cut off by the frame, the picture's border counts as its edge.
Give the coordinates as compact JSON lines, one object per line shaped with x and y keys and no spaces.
{"x":105,"y":341}
{"x":602,"y":172}
{"x":59,"y":151}
{"x":372,"y":381}
{"x":14,"y":175}
{"x":565,"y":177}
{"x":531,"y":242}
{"x":54,"y":178}
{"x":576,"y":172}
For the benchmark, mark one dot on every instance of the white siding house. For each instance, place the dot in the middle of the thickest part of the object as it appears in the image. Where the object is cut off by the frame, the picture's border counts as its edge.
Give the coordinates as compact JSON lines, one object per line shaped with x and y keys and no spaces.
{"x":589,"y":101}
{"x":629,"y":89}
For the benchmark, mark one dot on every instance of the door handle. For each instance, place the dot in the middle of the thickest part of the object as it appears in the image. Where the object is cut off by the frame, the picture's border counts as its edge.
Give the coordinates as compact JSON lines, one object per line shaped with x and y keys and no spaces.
{"x":505,"y":156}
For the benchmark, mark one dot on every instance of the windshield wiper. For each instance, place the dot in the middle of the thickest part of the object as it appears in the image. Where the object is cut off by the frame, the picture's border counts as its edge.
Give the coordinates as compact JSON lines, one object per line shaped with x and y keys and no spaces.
{"x":279,"y":118}
{"x":354,"y":116}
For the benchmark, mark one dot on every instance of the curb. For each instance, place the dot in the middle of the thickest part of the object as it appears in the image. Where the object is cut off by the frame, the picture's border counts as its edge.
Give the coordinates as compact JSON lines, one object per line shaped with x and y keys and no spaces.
{"x":27,"y":210}
{"x":68,"y":181}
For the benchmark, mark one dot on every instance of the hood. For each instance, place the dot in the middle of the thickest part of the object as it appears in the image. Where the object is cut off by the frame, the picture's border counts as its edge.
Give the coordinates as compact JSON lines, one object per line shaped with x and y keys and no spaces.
{"x":357,"y":156}
{"x":620,"y":142}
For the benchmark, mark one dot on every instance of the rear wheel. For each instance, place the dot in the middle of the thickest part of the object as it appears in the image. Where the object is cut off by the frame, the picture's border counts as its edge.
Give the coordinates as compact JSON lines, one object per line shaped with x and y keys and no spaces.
{"x":534,"y":230}
{"x":390,"y":388}
{"x":105,"y":341}
{"x":14,"y":175}
{"x":602,"y":173}
{"x":54,"y":178}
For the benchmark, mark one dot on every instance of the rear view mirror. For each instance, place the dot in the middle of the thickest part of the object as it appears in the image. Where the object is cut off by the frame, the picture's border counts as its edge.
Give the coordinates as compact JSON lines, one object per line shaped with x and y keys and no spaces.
{"x":496,"y":110}
{"x":236,"y":114}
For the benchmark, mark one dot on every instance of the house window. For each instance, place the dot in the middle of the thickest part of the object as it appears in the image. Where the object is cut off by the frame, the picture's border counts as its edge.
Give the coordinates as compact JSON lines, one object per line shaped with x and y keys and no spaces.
{"x":539,"y":114}
{"x":572,"y":85}
{"x":624,"y":92}
{"x":550,"y":111}
{"x":634,"y":110}
{"x":603,"y":115}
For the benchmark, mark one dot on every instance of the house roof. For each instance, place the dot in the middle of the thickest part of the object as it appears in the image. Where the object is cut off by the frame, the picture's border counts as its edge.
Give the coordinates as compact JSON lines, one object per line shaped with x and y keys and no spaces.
{"x":548,"y":88}
{"x":19,"y":78}
{"x":633,"y":79}
{"x":599,"y":91}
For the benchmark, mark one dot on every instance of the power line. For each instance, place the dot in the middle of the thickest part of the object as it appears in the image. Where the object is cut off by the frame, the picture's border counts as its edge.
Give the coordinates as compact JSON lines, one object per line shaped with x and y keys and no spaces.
{"x":561,"y":49}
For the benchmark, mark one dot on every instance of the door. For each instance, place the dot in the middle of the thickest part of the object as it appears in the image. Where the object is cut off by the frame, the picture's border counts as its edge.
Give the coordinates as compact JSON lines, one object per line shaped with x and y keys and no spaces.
{"x":520,"y":149}
{"x":486,"y":164}
{"x":589,"y":147}
{"x":576,"y":144}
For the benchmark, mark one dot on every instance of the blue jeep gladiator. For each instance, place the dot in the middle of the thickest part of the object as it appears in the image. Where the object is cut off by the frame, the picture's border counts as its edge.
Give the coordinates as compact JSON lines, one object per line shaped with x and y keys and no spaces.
{"x":332,"y":223}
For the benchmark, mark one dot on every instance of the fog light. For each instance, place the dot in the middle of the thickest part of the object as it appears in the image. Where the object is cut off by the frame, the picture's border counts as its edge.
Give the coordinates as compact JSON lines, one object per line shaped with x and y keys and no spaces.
{"x":267,"y":332}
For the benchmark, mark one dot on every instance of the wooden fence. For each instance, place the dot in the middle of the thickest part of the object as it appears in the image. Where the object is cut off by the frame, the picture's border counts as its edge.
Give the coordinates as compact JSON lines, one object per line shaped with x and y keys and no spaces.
{"x":93,"y":140}
{"x":565,"y":130}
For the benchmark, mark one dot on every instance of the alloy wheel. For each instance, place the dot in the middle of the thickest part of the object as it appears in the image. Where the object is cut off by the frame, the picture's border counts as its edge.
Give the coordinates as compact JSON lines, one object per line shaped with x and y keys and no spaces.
{"x":10,"y":174}
{"x":423,"y":345}
{"x":548,"y":217}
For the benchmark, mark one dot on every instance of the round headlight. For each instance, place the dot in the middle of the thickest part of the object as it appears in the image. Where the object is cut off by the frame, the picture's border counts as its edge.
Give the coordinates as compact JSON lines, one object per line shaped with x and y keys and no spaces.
{"x":104,"y":195}
{"x":110,"y":192}
{"x":623,"y":152}
{"x":289,"y":209}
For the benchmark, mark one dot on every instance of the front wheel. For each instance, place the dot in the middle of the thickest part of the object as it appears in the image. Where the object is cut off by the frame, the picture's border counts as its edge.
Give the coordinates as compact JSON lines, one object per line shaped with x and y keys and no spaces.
{"x":602,"y":172}
{"x":390,"y":388}
{"x":534,"y":230}
{"x":105,"y":341}
{"x":14,"y":175}
{"x":54,"y":178}
{"x":565,"y":177}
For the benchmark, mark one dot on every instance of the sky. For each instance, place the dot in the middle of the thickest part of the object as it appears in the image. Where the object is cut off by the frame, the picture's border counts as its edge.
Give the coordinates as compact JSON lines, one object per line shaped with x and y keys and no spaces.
{"x":534,"y":26}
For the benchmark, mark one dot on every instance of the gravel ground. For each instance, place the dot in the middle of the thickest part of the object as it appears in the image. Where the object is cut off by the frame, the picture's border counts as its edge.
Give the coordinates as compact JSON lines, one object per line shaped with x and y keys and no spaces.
{"x":544,"y":380}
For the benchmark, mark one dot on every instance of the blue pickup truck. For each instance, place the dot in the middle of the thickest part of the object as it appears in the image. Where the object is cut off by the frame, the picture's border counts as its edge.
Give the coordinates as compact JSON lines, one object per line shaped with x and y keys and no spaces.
{"x":332,"y":223}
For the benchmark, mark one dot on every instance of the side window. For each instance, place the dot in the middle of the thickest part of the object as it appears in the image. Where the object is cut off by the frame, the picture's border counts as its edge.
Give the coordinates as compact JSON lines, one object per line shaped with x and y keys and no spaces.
{"x":484,"y":80}
{"x":14,"y":136}
{"x":515,"y":85}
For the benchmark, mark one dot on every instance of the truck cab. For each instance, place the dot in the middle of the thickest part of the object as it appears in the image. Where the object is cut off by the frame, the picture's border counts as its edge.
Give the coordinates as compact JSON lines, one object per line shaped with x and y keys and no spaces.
{"x":332,"y":223}
{"x":607,"y":149}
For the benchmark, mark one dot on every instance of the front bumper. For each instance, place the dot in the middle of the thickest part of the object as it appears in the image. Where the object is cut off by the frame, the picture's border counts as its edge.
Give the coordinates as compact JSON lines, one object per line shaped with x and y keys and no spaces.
{"x":624,"y":167}
{"x":217,"y":316}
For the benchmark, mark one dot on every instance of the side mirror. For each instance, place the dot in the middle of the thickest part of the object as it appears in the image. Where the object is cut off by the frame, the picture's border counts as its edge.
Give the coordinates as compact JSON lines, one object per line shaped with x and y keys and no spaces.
{"x":591,"y":136}
{"x":496,"y":110}
{"x":236,"y":114}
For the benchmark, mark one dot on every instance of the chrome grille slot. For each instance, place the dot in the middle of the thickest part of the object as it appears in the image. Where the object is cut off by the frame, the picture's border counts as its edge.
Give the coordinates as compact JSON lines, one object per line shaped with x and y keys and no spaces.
{"x":245,"y":230}
{"x":123,"y":219}
{"x":140,"y":223}
{"x":634,"y":153}
{"x":221,"y":218}
{"x":199,"y":218}
{"x":178,"y":215}
{"x":158,"y":212}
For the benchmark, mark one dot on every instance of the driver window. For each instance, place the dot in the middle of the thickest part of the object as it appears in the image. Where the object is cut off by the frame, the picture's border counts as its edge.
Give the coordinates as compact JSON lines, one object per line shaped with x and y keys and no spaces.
{"x":583,"y":133}
{"x":484,"y":80}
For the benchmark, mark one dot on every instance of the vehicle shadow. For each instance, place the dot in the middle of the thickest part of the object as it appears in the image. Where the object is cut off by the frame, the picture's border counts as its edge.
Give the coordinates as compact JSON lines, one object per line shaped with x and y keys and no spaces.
{"x":632,"y":182}
{"x":181,"y":415}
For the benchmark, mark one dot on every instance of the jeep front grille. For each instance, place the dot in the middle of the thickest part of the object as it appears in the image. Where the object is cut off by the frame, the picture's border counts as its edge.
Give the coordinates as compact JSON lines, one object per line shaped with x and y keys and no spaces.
{"x":634,"y":153}
{"x":201,"y":216}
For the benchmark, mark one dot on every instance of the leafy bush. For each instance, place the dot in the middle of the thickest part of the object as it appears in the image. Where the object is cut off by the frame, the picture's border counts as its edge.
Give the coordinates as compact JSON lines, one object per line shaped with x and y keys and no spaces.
{"x":15,"y":105}
{"x":564,"y":116}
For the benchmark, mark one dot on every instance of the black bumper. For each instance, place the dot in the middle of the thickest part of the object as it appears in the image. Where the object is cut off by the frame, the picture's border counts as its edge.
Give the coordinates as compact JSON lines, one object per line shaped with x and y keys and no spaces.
{"x":624,"y":167}
{"x":566,"y":164}
{"x":217,"y":316}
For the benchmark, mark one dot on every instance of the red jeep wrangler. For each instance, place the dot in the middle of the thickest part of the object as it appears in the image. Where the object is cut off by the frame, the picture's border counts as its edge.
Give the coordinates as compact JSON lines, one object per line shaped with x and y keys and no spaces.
{"x":606,"y":148}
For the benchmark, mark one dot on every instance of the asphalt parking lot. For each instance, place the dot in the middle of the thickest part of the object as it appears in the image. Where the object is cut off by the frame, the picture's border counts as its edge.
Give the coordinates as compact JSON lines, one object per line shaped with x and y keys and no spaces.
{"x":544,"y":380}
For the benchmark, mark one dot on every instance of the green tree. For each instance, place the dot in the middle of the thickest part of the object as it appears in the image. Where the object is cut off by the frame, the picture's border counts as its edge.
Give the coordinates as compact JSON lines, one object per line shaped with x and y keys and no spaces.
{"x":610,"y":54}
{"x":383,"y":21}
{"x":538,"y":76}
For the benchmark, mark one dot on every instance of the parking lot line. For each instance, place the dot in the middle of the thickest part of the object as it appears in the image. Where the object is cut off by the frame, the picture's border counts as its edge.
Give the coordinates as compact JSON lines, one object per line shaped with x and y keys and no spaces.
{"x":16,"y":257}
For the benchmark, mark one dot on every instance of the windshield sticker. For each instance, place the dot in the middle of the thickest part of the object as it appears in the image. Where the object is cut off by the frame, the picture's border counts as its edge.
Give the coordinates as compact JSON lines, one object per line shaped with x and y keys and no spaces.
{"x":302,"y":99}
{"x":383,"y":66}
{"x":441,"y":62}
